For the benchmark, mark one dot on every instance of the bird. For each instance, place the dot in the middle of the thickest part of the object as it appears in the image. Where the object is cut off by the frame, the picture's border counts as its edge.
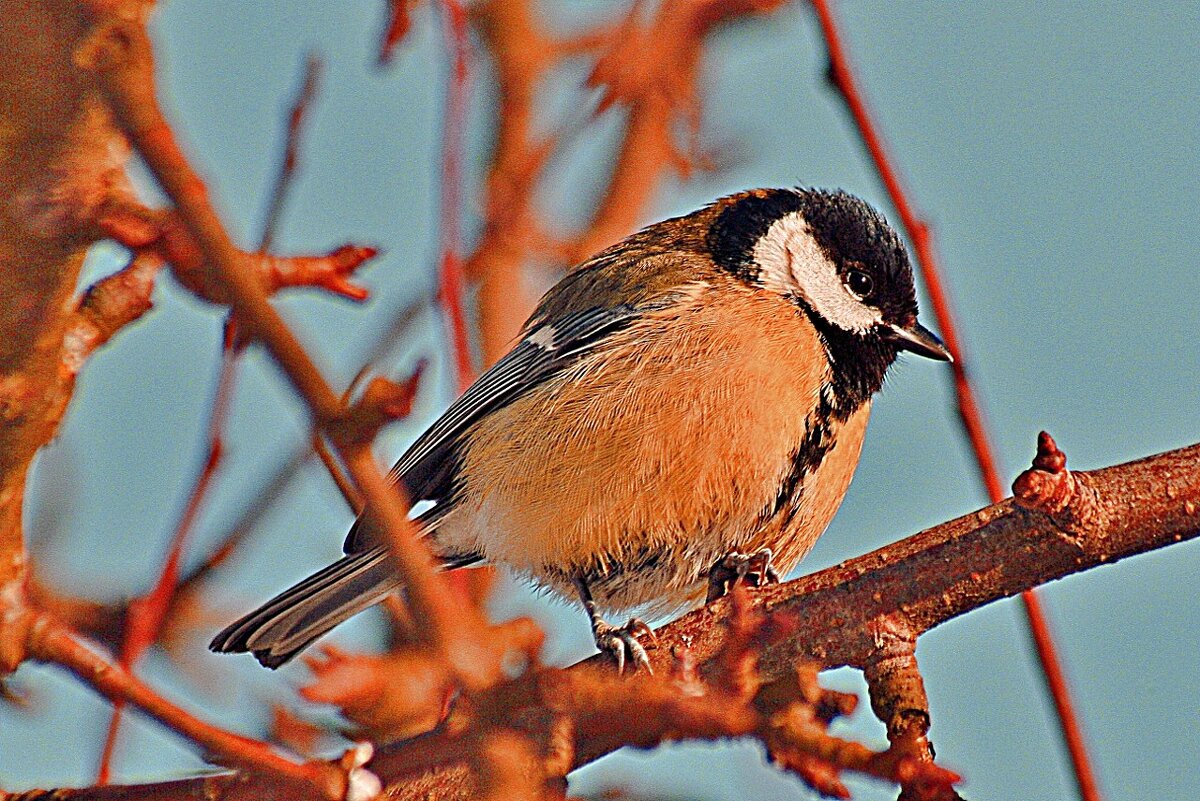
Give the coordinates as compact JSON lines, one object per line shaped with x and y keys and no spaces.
{"x":683,"y":410}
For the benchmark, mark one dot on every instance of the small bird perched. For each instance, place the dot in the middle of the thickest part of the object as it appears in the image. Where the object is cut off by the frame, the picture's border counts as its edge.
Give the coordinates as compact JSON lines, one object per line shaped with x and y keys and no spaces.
{"x":685,"y":407}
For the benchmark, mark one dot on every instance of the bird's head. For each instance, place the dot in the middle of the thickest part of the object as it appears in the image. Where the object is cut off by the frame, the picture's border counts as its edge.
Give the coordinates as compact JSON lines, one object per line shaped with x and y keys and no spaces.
{"x":830,"y":253}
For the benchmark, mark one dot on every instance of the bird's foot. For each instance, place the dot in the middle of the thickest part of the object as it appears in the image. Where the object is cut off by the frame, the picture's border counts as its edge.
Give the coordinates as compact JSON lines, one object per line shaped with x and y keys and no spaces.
{"x":735,"y":567}
{"x":623,"y":644}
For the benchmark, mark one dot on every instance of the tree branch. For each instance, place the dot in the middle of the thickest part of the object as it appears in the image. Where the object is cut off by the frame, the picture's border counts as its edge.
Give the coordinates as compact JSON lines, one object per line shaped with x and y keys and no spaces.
{"x":51,"y":641}
{"x":163,"y":234}
{"x":59,"y":156}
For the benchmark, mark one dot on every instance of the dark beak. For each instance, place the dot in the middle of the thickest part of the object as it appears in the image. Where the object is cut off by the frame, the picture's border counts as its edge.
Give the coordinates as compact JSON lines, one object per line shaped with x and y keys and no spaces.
{"x":918,"y":339}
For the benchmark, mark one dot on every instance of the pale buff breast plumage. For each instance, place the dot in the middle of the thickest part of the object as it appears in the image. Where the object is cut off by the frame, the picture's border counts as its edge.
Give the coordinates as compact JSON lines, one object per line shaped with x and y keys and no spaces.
{"x":643,"y":490}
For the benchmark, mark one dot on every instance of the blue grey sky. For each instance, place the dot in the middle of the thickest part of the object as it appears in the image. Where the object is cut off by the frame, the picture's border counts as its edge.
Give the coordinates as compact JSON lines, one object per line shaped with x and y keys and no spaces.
{"x":1053,"y":145}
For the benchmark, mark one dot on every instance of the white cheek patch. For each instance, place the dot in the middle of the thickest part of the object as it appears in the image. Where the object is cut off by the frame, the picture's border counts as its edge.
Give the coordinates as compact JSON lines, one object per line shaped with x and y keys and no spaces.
{"x":792,"y":262}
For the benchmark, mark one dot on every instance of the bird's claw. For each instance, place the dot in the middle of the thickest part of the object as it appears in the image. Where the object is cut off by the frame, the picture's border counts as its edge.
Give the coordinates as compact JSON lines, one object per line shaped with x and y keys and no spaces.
{"x":735,"y":567}
{"x":622,"y":643}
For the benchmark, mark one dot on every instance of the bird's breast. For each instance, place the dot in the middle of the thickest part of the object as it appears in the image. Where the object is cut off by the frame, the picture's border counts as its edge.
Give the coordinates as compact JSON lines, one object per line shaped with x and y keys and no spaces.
{"x":690,"y":433}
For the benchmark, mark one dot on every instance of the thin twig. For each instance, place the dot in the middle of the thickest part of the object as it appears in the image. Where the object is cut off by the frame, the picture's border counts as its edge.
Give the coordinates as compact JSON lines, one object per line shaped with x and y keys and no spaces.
{"x":51,"y":641}
{"x":398,"y":23}
{"x":148,"y":615}
{"x":291,"y":149}
{"x":842,"y":76}
{"x":450,"y":265}
{"x":260,"y":502}
{"x":345,"y":486}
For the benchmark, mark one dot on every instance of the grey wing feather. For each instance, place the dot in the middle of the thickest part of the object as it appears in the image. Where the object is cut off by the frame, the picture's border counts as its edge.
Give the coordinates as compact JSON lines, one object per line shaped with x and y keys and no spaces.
{"x":428,"y":468}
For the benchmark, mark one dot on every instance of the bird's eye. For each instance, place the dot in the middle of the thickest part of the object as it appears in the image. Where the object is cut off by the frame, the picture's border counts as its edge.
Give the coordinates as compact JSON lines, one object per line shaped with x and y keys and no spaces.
{"x":859,"y":283}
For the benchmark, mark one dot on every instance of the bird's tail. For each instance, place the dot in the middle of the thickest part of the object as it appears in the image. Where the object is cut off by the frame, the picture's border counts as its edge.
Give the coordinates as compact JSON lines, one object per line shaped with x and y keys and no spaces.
{"x":289,"y":622}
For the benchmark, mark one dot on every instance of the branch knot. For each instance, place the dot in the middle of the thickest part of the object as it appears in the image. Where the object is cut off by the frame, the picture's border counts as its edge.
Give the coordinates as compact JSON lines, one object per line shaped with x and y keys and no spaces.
{"x":1049,"y":487}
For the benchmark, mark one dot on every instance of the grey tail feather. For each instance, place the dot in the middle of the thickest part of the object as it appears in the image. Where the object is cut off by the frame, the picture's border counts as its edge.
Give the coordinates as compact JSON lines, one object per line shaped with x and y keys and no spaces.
{"x":289,"y":622}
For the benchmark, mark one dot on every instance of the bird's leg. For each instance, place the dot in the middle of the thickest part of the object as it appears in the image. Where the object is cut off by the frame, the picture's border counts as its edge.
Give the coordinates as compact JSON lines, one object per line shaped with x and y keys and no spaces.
{"x":753,"y":568}
{"x":619,"y":643}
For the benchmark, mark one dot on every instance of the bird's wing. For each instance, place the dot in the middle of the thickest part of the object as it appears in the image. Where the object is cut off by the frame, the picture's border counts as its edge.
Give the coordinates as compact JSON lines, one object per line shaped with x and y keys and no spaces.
{"x":428,"y":468}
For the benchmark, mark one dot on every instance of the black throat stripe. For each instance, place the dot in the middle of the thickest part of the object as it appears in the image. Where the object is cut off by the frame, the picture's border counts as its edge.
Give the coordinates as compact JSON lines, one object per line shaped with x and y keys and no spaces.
{"x":818,"y":441}
{"x":859,"y":362}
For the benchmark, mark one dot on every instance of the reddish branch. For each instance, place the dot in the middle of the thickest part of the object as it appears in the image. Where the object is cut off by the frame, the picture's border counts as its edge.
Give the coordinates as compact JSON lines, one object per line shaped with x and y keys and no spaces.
{"x":396,"y":331}
{"x":291,"y":149}
{"x":192,"y":240}
{"x":65,"y":188}
{"x":450,"y":266}
{"x":59,"y":157}
{"x":49,"y":640}
{"x":106,"y":307}
{"x":864,"y":612}
{"x":842,"y":76}
{"x":732,"y":677}
{"x":280,"y":475}
{"x":657,"y":96}
{"x":398,"y":22}
{"x":149,"y":614}
{"x":523,"y":54}
{"x":120,"y":54}
{"x":661,"y":96}
{"x":382,"y":402}
{"x":386,"y":696}
{"x":162,"y":234}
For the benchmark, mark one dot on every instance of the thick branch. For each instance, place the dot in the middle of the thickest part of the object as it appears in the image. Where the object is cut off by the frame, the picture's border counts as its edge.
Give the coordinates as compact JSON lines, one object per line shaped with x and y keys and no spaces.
{"x":952,"y":568}
{"x":59,"y":155}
